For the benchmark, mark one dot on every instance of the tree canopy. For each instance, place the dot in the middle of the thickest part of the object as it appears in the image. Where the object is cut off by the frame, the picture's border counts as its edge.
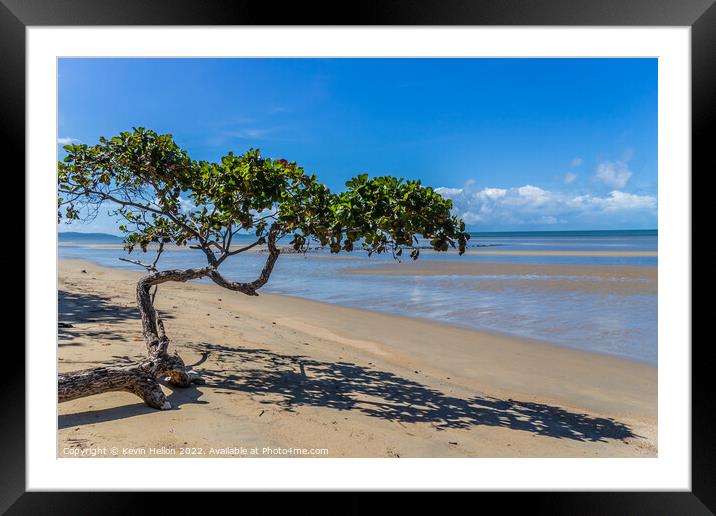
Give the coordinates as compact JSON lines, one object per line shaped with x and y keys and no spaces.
{"x":159,"y":194}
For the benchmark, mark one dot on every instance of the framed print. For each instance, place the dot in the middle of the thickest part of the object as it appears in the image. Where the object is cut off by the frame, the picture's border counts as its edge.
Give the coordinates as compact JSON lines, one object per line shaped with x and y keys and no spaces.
{"x":431,"y":247}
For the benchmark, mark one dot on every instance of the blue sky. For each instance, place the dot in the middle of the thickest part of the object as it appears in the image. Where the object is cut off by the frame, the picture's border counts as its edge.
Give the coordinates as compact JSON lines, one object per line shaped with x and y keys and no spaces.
{"x":518,"y":144}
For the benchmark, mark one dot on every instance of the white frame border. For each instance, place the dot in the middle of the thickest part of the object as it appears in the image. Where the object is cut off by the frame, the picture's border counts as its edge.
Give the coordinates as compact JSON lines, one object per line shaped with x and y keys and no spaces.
{"x":671,"y":470}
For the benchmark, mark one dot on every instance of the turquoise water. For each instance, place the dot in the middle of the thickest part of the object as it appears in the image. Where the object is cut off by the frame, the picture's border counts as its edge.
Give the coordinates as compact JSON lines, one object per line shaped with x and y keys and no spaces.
{"x":617,"y":324}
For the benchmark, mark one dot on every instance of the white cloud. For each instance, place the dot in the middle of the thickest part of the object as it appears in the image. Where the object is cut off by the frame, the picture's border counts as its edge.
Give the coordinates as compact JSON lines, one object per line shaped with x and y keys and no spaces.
{"x":448,"y":192}
{"x":576,"y":162}
{"x":493,"y":193}
{"x":530,"y":195}
{"x":531,"y":205}
{"x":67,"y":141}
{"x":615,"y":174}
{"x":569,"y":178}
{"x":186,"y":205}
{"x":616,"y":201}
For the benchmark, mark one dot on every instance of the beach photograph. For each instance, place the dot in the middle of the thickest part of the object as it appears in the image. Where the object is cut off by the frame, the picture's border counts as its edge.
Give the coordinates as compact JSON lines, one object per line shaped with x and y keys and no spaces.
{"x":357,"y":258}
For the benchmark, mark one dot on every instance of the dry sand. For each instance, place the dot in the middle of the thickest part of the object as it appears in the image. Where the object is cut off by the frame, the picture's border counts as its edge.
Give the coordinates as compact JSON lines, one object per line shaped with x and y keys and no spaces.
{"x":284,"y":373}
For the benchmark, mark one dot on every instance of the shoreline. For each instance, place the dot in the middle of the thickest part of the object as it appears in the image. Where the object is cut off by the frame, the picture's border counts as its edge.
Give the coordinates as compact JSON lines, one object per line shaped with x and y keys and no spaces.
{"x":500,"y":278}
{"x":495,"y":334}
{"x":609,"y":272}
{"x":621,"y":280}
{"x":465,"y":365}
{"x":439,"y":268}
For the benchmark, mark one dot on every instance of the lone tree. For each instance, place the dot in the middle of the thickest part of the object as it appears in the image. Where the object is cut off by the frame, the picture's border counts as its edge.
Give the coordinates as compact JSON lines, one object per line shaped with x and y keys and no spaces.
{"x":163,"y":197}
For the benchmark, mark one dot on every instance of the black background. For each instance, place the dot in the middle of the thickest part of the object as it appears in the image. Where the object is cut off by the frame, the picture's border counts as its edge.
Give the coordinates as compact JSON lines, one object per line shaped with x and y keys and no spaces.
{"x":15,"y":15}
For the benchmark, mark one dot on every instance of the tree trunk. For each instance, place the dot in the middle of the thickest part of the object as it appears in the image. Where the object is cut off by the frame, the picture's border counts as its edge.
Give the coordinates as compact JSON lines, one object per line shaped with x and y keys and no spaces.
{"x":139,"y":378}
{"x":132,"y":379}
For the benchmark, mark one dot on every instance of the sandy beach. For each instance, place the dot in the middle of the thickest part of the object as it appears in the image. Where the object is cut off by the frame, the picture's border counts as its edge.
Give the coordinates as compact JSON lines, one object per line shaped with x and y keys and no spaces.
{"x":284,"y":372}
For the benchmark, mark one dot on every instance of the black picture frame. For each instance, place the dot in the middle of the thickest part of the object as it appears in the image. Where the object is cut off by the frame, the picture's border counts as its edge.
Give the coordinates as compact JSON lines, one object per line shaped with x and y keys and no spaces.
{"x":700,"y":15}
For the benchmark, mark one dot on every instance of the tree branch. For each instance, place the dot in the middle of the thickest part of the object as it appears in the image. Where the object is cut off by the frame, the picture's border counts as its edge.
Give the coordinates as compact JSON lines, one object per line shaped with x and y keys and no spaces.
{"x":123,"y":202}
{"x":227,"y":254}
{"x":250,"y":288}
{"x":151,"y":329}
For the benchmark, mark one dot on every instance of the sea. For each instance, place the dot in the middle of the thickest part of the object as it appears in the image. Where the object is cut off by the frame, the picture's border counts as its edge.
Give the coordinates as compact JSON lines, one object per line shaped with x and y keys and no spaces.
{"x":597,"y":320}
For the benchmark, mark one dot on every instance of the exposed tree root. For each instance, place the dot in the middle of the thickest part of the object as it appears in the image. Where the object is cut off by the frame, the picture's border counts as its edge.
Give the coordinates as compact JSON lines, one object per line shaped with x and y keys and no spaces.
{"x":139,"y":379}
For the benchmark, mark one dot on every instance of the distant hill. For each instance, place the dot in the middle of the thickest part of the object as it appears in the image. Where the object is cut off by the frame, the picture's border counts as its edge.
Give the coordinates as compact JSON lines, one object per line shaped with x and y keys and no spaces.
{"x":74,"y":236}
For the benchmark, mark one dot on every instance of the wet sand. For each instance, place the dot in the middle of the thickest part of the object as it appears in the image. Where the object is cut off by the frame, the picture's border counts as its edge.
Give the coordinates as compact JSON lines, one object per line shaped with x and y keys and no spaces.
{"x":617,"y":280}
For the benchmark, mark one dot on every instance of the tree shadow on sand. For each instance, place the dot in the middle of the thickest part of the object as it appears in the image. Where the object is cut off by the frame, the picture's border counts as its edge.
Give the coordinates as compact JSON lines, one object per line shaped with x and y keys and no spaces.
{"x":292,"y":381}
{"x":177,"y":397}
{"x":74,"y":309}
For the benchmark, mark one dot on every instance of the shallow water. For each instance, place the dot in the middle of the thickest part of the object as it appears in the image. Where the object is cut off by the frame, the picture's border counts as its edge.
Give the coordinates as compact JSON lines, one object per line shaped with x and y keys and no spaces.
{"x":523,"y":305}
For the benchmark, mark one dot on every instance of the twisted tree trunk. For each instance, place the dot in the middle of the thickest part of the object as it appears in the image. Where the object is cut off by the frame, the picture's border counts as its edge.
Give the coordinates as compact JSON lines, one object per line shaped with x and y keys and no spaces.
{"x":141,"y":378}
